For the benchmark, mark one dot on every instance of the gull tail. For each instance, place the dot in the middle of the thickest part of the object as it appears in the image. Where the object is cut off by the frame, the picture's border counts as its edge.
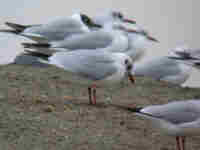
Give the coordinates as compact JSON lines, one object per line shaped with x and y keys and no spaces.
{"x":130,"y":109}
{"x":36,"y":45}
{"x":43,"y":57}
{"x":138,"y":111}
{"x":9,"y":31}
{"x":17,"y":27}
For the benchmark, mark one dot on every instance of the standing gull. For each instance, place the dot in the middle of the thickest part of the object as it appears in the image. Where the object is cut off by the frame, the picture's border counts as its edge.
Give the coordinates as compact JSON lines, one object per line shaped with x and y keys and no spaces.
{"x":178,"y":119}
{"x":99,"y":67}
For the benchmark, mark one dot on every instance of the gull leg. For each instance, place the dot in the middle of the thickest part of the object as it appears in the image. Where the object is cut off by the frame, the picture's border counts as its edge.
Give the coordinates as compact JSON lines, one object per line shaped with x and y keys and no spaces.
{"x":94,"y":94}
{"x":90,"y":95}
{"x":178,"y":143}
{"x":183,"y":142}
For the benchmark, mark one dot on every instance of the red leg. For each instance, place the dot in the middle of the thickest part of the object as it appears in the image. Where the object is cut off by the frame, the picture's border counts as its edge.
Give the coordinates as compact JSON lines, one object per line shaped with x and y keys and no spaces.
{"x":178,"y":143}
{"x":183,"y":142}
{"x":90,"y":95}
{"x":94,"y":96}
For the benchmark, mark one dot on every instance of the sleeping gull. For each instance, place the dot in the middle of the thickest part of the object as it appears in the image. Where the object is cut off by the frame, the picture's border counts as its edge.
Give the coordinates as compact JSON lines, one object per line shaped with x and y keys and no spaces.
{"x":165,"y":68}
{"x":188,"y":56}
{"x":99,"y":67}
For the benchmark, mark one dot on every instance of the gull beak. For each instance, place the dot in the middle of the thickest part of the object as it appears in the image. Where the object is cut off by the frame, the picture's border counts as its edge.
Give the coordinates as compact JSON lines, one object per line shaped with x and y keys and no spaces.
{"x":131,"y":78}
{"x":129,"y":21}
{"x":152,"y":39}
{"x":96,"y":25}
{"x":132,"y":31}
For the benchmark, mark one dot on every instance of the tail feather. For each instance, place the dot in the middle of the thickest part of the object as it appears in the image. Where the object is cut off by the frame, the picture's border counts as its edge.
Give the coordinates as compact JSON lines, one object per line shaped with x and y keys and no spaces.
{"x":9,"y":31}
{"x":130,"y":109}
{"x":36,"y":45}
{"x":17,"y":27}
{"x":197,"y":63}
{"x":37,"y":54}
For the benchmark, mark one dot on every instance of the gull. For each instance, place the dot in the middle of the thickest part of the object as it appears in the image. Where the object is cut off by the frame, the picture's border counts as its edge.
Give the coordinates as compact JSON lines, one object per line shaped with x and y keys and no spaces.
{"x":178,"y":119}
{"x":113,"y":38}
{"x":139,"y":40}
{"x":100,"y":67}
{"x":111,"y":17}
{"x":188,"y":56}
{"x":164,"y":68}
{"x":55,"y":30}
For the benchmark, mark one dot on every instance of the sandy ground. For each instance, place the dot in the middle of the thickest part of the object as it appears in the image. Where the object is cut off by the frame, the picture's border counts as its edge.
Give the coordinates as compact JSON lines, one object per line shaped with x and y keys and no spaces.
{"x":47,"y":109}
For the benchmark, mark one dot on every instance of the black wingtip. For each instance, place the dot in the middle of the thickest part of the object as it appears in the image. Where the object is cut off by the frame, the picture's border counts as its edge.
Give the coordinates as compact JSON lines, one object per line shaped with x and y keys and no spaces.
{"x":136,"y":109}
{"x":128,"y":108}
{"x":18,"y":27}
{"x":197,"y":63}
{"x":9,"y":31}
{"x":37,"y":54}
{"x":35,"y":45}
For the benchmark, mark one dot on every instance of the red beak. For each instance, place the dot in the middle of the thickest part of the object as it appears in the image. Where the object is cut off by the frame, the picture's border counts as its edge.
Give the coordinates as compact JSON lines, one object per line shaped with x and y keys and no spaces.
{"x":129,"y":21}
{"x":132,"y":30}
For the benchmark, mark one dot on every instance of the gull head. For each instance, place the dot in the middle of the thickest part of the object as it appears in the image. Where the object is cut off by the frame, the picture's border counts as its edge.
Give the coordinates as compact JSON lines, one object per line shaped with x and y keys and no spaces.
{"x":85,"y":20}
{"x":128,"y":64}
{"x":112,"y":16}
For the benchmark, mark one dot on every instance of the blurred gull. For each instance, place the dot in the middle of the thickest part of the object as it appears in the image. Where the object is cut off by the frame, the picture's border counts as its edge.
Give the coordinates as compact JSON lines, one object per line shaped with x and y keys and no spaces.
{"x":99,"y":67}
{"x":178,"y":119}
{"x":112,"y":16}
{"x":55,"y":30}
{"x":112,"y":38}
{"x":139,"y":41}
{"x":188,"y":56}
{"x":164,"y":68}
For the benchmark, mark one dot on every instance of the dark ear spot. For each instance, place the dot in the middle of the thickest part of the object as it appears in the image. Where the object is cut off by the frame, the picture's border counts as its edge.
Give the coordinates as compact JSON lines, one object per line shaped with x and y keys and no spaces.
{"x":129,"y":67}
{"x":118,"y":15}
{"x":126,"y":61}
{"x":85,"y":18}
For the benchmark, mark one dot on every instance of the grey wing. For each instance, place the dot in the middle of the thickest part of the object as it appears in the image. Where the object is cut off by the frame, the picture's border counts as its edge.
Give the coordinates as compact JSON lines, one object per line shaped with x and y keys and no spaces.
{"x":92,"y":40}
{"x":157,"y":68}
{"x":57,"y":30}
{"x":194,"y":53}
{"x":176,"y":112}
{"x":90,"y":64}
